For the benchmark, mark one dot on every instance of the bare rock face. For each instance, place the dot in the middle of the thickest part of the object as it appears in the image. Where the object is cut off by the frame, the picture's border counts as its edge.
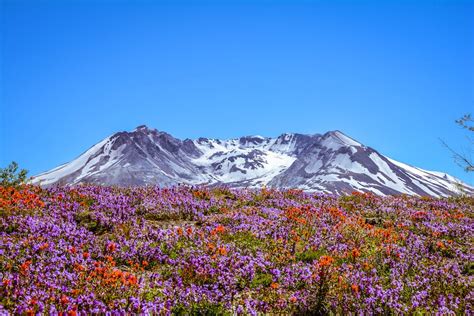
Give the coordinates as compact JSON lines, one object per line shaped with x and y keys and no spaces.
{"x":331,"y":163}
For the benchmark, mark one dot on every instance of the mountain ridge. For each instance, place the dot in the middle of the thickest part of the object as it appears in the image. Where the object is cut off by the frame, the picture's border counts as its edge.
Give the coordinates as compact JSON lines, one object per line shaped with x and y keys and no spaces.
{"x":332,"y":162}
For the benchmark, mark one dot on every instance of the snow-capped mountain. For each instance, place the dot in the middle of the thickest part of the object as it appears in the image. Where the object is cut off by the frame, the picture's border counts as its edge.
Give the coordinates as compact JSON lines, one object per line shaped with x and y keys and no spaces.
{"x":332,"y":163}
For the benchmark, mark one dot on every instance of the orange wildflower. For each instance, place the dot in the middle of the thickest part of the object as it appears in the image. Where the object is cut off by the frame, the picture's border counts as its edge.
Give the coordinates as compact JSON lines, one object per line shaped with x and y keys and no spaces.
{"x":222,"y":251}
{"x":325,"y":261}
{"x":211,"y":246}
{"x":130,"y":279}
{"x":274,"y":285}
{"x":79,"y":267}
{"x":355,"y":252}
{"x":340,"y":280}
{"x":355,"y":288}
{"x":44,"y":246}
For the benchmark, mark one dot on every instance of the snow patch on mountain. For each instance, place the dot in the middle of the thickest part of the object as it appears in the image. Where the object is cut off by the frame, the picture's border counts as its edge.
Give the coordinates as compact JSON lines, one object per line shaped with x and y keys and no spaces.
{"x":68,"y":168}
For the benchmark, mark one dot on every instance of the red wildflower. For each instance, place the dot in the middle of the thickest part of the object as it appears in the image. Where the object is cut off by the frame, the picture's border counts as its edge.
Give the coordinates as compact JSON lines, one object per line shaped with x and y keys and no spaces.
{"x":25,"y":266}
{"x":111,"y":247}
{"x":419,"y":215}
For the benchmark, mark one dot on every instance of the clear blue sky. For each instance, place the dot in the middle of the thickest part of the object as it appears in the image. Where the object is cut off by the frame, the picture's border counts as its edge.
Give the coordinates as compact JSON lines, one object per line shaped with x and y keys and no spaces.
{"x":393,"y":75}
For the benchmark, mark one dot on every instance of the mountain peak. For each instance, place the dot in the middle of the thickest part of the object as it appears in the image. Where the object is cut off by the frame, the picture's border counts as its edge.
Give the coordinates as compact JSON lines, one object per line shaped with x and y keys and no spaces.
{"x":342,"y":138}
{"x":144,"y":128}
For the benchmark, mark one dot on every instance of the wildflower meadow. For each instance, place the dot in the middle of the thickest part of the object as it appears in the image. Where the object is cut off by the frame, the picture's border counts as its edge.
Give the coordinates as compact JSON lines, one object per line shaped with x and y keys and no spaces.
{"x":195,"y":250}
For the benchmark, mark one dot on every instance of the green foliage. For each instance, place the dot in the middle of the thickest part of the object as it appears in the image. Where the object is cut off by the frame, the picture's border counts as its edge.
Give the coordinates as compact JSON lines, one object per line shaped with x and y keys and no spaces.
{"x":224,"y":193}
{"x":468,"y":268}
{"x":261,"y":279}
{"x":10,"y":228}
{"x":87,"y":220}
{"x":245,"y":240}
{"x":11,"y":176}
{"x":310,"y":255}
{"x":201,"y":308}
{"x":212,"y":210}
{"x":150,"y":294}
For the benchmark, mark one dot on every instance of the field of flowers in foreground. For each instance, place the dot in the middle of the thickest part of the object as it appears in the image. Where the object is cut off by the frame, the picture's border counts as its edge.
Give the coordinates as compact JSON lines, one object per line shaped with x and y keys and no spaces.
{"x":219,"y":251}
